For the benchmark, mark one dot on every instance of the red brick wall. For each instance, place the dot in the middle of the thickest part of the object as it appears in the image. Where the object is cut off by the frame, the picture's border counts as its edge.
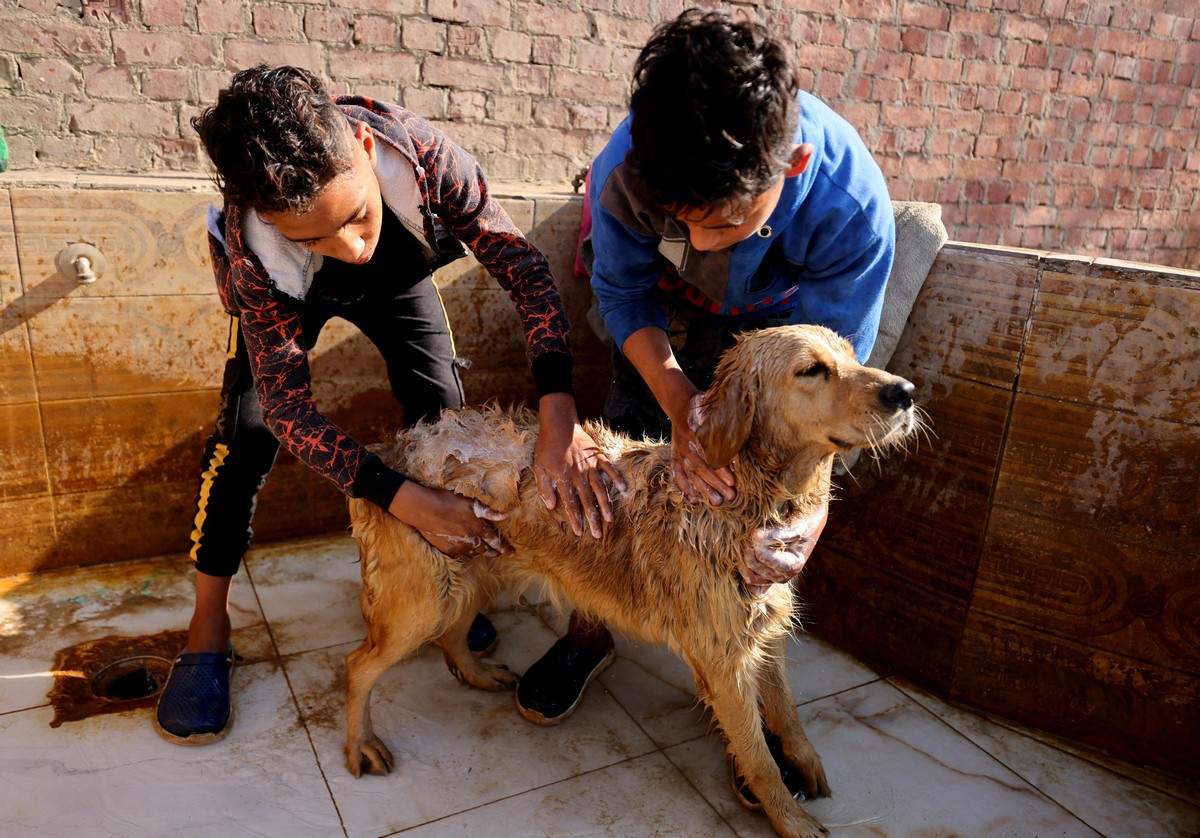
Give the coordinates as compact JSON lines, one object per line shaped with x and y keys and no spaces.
{"x":1057,"y":124}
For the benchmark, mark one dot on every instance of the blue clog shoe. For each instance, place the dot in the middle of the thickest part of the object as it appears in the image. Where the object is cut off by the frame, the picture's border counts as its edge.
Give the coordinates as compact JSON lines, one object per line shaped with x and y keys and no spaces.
{"x":194,"y":707}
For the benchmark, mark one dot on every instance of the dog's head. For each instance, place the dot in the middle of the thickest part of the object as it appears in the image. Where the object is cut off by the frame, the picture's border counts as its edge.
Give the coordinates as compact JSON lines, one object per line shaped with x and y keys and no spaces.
{"x":794,"y":391}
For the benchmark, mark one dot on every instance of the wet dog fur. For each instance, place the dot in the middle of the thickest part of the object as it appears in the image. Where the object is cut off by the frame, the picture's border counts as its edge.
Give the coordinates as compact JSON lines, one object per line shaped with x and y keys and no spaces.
{"x":785,"y":400}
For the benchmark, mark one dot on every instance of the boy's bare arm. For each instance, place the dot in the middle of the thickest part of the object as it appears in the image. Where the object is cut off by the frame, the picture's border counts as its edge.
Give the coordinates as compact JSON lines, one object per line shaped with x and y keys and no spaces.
{"x":650,"y":353}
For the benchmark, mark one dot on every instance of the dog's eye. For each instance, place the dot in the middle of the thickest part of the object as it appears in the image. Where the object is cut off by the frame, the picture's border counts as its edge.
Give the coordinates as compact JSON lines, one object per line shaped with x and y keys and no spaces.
{"x":813,"y":371}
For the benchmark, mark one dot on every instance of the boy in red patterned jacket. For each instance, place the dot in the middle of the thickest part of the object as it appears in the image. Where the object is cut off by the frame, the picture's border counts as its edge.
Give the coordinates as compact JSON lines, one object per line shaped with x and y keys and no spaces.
{"x":344,"y":207}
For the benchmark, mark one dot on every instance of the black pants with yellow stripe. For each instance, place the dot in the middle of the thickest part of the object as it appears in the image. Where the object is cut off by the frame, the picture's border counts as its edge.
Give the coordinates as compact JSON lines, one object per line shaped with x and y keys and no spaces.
{"x":406,"y":323}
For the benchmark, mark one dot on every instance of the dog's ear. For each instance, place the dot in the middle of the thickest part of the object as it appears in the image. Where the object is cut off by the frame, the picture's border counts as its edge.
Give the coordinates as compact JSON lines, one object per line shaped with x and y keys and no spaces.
{"x":728,"y":414}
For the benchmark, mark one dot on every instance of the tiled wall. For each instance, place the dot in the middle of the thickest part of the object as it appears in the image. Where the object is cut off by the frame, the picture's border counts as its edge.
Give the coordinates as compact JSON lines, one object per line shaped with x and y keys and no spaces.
{"x":107,"y":391}
{"x":1039,"y":554}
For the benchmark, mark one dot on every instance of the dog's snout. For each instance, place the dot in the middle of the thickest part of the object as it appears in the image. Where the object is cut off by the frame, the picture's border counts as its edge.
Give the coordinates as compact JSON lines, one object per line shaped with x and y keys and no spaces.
{"x":897,"y":395}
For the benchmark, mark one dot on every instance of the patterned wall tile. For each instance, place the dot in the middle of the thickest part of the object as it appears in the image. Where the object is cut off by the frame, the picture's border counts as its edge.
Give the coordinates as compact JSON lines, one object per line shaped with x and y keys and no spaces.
{"x":922,"y":513}
{"x":110,"y":346}
{"x":1123,"y":704}
{"x":1112,"y":472}
{"x":880,"y":615}
{"x":105,"y":443}
{"x":111,"y":525}
{"x":10,"y":266}
{"x":915,"y":524}
{"x":1117,"y":337}
{"x":16,"y":361}
{"x":22,"y":452}
{"x":1126,"y":597}
{"x":971,"y":315}
{"x":1083,"y":619}
{"x":153,"y":243}
{"x":26,"y":534}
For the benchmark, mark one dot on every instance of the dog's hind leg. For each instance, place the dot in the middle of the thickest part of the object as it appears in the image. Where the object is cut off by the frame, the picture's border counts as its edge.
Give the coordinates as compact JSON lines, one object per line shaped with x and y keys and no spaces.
{"x":464,"y":665}
{"x":364,"y":750}
{"x":734,"y":702}
{"x":781,"y":718}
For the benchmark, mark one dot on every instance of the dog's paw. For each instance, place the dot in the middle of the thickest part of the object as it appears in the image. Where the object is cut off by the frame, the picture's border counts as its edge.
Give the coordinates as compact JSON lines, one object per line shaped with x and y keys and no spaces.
{"x":372,"y":757}
{"x":494,"y":677}
{"x":794,"y":822}
{"x":811,"y":773}
{"x":799,"y":766}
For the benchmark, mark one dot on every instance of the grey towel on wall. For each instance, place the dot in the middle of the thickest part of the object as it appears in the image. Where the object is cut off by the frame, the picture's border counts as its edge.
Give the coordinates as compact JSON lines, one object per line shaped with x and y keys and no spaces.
{"x":920,"y":234}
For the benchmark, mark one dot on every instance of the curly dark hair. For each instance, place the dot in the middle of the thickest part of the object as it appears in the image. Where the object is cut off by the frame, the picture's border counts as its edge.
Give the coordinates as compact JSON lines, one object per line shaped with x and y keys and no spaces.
{"x":714,"y":111}
{"x":275,"y":137}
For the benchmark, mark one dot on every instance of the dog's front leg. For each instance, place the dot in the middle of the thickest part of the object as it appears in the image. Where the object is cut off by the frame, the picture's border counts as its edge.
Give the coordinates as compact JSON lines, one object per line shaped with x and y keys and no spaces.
{"x":779,"y":713}
{"x":736,"y":710}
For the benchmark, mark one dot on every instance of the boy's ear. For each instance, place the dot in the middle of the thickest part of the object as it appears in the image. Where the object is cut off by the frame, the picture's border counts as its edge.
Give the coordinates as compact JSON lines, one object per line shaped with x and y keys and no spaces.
{"x":801,"y":155}
{"x":364,"y":137}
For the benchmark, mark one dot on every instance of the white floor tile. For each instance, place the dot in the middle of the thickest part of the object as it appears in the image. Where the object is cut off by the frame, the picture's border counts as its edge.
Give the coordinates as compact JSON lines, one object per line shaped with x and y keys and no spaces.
{"x":634,"y":760}
{"x":894,"y":770}
{"x":113,"y":775}
{"x":309,"y":591}
{"x":1113,"y":805}
{"x":817,"y":669}
{"x":642,"y":797}
{"x":658,"y":690}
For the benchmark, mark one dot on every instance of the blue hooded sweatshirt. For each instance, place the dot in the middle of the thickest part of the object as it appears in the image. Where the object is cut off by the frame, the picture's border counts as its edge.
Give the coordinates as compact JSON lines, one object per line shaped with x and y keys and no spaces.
{"x":824,"y":254}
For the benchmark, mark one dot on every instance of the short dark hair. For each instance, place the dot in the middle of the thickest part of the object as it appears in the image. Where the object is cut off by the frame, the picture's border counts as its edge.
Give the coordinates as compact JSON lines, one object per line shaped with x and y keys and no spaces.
{"x":714,"y":111}
{"x":275,"y":137}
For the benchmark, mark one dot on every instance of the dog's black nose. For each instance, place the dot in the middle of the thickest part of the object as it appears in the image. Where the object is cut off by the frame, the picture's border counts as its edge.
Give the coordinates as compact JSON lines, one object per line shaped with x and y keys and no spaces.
{"x":897,"y":395}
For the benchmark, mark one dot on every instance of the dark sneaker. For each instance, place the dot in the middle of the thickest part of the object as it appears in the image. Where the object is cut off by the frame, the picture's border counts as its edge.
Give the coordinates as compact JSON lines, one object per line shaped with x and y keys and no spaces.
{"x":482,"y":637}
{"x":194,"y":707}
{"x":550,"y":690}
{"x":787,"y":772}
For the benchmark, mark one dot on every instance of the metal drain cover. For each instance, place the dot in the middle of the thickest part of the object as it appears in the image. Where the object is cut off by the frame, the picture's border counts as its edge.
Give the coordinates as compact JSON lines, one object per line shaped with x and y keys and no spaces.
{"x":131,"y":678}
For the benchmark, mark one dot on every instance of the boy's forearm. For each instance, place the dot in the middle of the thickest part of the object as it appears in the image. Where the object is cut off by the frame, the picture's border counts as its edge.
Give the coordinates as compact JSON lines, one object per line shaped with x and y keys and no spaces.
{"x":650,"y":353}
{"x":558,"y":409}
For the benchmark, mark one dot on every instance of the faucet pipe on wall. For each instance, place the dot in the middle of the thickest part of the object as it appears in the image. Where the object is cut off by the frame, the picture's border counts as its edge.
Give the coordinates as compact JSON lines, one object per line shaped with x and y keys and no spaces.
{"x":80,"y":261}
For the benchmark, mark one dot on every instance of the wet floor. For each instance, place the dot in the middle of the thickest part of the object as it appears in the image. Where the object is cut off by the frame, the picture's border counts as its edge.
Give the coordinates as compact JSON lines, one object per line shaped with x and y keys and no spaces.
{"x":114,"y":674}
{"x":635,"y":760}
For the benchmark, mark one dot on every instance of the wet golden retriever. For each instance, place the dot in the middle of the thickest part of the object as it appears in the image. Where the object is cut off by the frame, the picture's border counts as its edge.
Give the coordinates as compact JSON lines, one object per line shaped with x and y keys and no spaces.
{"x":785,"y":400}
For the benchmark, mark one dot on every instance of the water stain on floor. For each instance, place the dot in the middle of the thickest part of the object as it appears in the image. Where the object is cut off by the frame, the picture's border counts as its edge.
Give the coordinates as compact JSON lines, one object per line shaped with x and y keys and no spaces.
{"x":111,"y":675}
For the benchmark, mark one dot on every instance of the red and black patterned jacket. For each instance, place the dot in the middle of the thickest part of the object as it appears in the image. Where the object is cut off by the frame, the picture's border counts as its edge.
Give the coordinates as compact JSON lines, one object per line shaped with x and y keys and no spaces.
{"x":440,"y":195}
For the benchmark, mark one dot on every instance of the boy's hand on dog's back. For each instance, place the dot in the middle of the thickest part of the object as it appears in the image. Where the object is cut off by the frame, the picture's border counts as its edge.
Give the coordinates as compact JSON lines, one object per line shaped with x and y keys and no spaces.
{"x":570,"y":468}
{"x":457,"y":526}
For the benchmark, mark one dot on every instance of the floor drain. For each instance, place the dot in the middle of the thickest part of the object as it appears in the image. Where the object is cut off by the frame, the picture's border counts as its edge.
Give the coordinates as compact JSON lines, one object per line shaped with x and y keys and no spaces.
{"x":131,"y":678}
{"x":114,"y":674}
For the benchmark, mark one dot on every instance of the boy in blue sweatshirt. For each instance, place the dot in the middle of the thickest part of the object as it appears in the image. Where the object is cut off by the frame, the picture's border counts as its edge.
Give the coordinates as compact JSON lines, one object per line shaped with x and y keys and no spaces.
{"x":728,"y":200}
